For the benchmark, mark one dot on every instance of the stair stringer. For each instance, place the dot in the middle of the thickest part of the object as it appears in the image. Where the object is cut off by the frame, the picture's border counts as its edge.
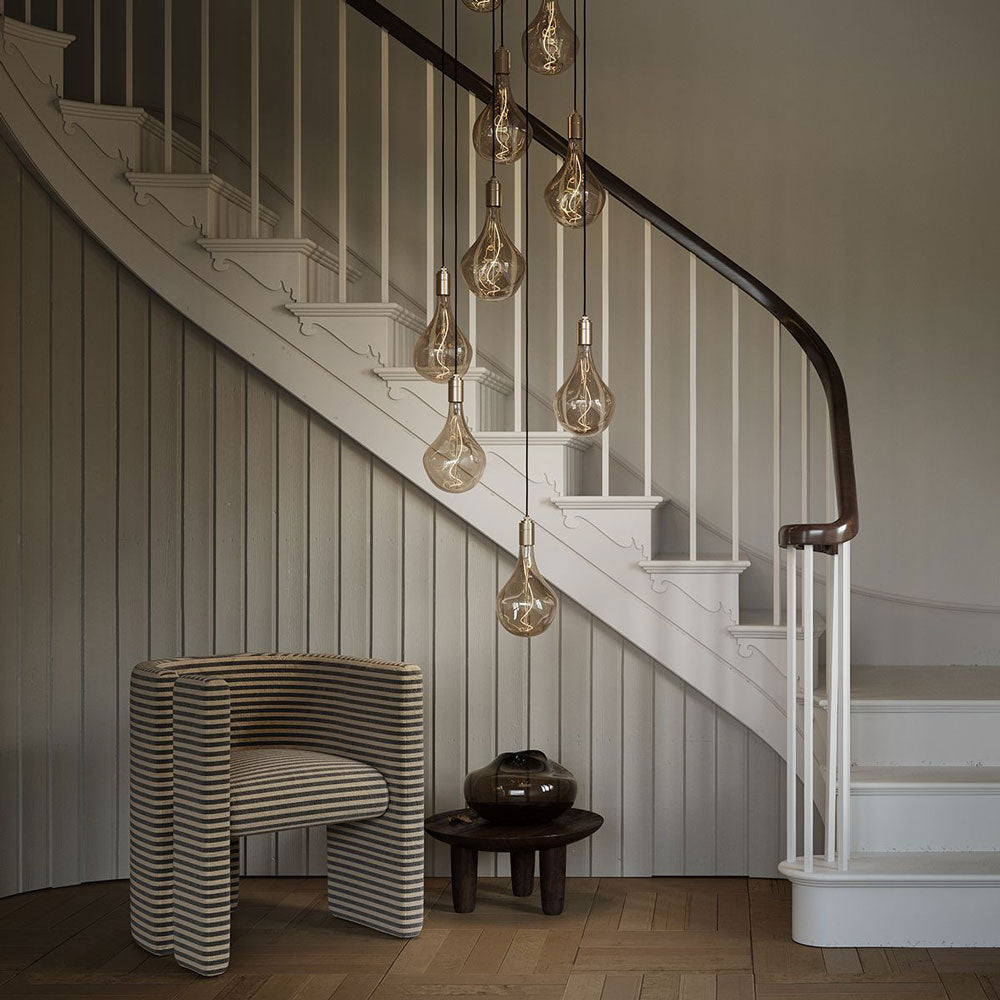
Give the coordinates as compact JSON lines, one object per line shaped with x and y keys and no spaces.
{"x":339,"y":383}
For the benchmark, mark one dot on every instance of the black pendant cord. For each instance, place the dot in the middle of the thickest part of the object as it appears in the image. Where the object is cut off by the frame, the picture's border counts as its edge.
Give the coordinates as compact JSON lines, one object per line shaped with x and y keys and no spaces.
{"x":493,"y":99}
{"x":527,"y":270}
{"x":576,"y":39}
{"x":585,"y":130}
{"x":502,"y":8}
{"x":444,"y":173}
{"x":455,"y":172}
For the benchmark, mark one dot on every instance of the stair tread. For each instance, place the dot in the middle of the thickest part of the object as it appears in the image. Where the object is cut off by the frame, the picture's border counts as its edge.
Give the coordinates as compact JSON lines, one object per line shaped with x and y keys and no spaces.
{"x":957,"y":683}
{"x":926,"y":866}
{"x":924,"y":775}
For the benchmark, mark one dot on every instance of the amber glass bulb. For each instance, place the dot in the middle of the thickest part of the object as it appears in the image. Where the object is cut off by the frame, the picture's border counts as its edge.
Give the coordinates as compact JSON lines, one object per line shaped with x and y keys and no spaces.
{"x":584,"y":404}
{"x":526,"y":605}
{"x":503,"y":117}
{"x":482,"y":5}
{"x":493,"y":267}
{"x":564,"y":194}
{"x":549,"y":43}
{"x":454,"y":461}
{"x":434,"y":354}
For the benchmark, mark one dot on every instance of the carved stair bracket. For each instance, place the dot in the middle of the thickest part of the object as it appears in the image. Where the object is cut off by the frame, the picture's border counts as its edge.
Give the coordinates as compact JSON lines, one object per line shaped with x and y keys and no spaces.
{"x":41,"y":49}
{"x":629,"y":522}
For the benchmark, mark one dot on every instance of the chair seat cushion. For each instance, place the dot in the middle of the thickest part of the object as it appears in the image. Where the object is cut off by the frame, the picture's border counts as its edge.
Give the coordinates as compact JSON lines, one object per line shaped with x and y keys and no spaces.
{"x":280,"y":788}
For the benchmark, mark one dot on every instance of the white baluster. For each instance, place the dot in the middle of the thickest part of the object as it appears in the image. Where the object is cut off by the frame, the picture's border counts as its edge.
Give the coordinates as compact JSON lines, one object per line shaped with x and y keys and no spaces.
{"x":97,"y":51}
{"x":205,"y":112}
{"x":473,"y":204}
{"x":297,"y":119}
{"x":605,"y":341}
{"x":804,"y":447}
{"x":560,"y":298}
{"x":342,"y":249}
{"x":833,"y":700}
{"x":59,"y":14}
{"x":430,"y":190}
{"x":776,"y":470}
{"x":384,"y":241}
{"x":168,"y":86}
{"x":807,"y":705}
{"x":791,"y":695}
{"x":647,"y":362}
{"x":693,"y":402}
{"x":736,"y":423}
{"x":845,"y":705}
{"x":255,"y":118}
{"x":27,"y":11}
{"x":129,"y":61}
{"x":518,"y":319}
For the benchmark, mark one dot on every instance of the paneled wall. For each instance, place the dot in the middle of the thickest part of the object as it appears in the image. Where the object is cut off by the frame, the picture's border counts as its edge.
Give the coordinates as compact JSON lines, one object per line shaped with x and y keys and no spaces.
{"x":159,"y":497}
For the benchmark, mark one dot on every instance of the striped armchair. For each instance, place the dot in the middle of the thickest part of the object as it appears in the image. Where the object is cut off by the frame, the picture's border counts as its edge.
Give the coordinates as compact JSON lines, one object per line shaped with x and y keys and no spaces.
{"x":228,"y":746}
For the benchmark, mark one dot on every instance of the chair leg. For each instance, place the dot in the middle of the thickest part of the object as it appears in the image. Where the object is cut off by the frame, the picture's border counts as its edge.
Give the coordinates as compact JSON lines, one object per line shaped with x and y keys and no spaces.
{"x":234,"y":873}
{"x":375,"y":872}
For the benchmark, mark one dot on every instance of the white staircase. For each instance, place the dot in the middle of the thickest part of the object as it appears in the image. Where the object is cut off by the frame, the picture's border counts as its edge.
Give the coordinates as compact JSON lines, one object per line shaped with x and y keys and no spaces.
{"x":925,"y":816}
{"x":923,"y":800}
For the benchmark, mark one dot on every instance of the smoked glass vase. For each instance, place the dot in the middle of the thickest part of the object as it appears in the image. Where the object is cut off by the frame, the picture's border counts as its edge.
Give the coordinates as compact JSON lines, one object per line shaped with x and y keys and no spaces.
{"x":520,"y":788}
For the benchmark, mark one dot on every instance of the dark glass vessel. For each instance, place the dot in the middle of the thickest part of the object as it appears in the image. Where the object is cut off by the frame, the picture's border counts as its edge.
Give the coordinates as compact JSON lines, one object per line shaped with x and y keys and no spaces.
{"x":520,"y":788}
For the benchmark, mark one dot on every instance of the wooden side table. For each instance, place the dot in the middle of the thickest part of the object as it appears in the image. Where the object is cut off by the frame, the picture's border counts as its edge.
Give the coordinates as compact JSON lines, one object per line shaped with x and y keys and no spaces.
{"x":549,"y":839}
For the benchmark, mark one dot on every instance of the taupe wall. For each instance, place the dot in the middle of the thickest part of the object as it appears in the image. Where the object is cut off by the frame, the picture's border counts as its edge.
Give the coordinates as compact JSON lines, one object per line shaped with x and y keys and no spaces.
{"x":846,"y":154}
{"x":159,"y":497}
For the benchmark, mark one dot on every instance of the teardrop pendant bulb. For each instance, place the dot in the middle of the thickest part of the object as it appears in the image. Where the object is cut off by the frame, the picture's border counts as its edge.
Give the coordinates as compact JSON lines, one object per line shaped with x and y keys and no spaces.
{"x":493,"y":267}
{"x":482,"y":5}
{"x":526,"y":604}
{"x":442,"y":348}
{"x":564,"y":194}
{"x":584,"y":404}
{"x":454,"y":461}
{"x":503,"y":117}
{"x":549,"y":43}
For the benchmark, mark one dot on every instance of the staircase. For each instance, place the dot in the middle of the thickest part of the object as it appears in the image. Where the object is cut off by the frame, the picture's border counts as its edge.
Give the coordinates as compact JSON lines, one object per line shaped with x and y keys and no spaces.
{"x":320,"y":320}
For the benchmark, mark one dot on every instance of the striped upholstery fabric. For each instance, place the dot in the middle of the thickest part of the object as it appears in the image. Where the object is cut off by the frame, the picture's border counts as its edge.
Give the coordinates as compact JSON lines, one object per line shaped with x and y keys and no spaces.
{"x":211,"y":742}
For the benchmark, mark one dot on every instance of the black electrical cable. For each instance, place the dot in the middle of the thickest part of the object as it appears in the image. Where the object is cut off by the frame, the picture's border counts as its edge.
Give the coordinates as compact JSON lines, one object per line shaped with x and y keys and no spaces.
{"x":527,"y":270}
{"x":585,"y":129}
{"x":455,"y":171}
{"x":443,"y":171}
{"x":493,"y":99}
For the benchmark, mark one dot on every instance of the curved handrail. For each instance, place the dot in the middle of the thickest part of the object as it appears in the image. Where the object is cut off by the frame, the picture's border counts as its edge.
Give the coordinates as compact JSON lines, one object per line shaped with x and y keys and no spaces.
{"x":825,"y":537}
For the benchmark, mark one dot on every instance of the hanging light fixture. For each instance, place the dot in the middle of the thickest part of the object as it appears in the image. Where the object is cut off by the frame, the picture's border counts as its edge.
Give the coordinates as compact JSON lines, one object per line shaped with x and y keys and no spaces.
{"x":501,"y":131}
{"x":481,"y":6}
{"x":575,"y":197}
{"x":526,"y":604}
{"x":493,"y":267}
{"x":584,"y":404}
{"x":454,"y":461}
{"x":549,"y":43}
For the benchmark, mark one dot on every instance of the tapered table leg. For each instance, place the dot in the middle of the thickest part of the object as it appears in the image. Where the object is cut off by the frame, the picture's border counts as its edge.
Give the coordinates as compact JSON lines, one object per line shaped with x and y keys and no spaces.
{"x":552,"y":867}
{"x":464,"y":872}
{"x":522,"y":872}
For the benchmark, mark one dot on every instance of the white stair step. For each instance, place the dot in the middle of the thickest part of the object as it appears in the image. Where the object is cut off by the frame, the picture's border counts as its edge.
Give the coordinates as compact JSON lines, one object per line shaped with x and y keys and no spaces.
{"x":487,"y":393}
{"x":925,"y":808}
{"x":557,"y":457}
{"x":218,"y":209}
{"x":902,"y":900}
{"x":41,"y":48}
{"x":629,"y":521}
{"x":712,"y":583}
{"x":925,"y":716}
{"x":300,"y":267}
{"x":371,"y":329}
{"x":131,"y":134}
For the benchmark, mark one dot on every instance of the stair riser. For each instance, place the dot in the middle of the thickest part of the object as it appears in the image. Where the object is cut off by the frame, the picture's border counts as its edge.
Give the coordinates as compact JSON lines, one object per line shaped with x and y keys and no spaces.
{"x":942,"y":734}
{"x":925,"y":819}
{"x":914,"y":916}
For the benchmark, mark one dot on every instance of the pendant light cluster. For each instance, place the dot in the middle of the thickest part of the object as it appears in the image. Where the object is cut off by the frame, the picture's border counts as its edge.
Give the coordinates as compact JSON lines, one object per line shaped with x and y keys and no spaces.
{"x":494,"y":269}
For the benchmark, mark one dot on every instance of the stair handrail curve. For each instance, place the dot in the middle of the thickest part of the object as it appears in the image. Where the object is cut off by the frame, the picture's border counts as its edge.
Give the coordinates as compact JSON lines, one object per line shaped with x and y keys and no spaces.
{"x":823,"y":536}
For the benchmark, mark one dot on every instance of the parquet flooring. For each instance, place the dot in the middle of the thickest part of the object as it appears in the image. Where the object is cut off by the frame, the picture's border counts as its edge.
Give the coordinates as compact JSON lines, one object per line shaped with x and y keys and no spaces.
{"x":618,"y":939}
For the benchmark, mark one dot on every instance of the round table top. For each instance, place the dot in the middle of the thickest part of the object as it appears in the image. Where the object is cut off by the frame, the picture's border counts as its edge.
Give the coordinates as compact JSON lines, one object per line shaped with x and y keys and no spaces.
{"x":482,"y":835}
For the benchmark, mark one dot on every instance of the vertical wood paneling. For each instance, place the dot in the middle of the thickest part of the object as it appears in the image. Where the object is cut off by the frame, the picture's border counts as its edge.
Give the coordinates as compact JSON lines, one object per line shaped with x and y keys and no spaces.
{"x":133,"y":513}
{"x":35,"y":503}
{"x":99,"y":793}
{"x":184,"y":502}
{"x":10,"y":526}
{"x":67,"y":548}
{"x":199,"y":493}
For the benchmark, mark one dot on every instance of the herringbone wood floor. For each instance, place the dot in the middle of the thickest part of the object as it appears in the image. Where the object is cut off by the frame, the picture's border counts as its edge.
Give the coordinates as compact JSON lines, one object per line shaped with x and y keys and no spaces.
{"x":619,"y":939}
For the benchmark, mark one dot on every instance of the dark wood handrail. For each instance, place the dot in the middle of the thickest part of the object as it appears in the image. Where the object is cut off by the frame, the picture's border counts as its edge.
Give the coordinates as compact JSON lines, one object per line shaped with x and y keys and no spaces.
{"x":826,"y":537}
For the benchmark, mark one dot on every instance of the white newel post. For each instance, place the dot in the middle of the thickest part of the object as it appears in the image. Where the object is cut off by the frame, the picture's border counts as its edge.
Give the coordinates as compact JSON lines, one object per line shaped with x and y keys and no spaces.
{"x":808,"y":796}
{"x":791,"y":695}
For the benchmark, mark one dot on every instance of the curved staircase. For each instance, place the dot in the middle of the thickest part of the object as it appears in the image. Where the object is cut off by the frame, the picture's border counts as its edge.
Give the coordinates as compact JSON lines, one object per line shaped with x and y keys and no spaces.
{"x":317,"y":319}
